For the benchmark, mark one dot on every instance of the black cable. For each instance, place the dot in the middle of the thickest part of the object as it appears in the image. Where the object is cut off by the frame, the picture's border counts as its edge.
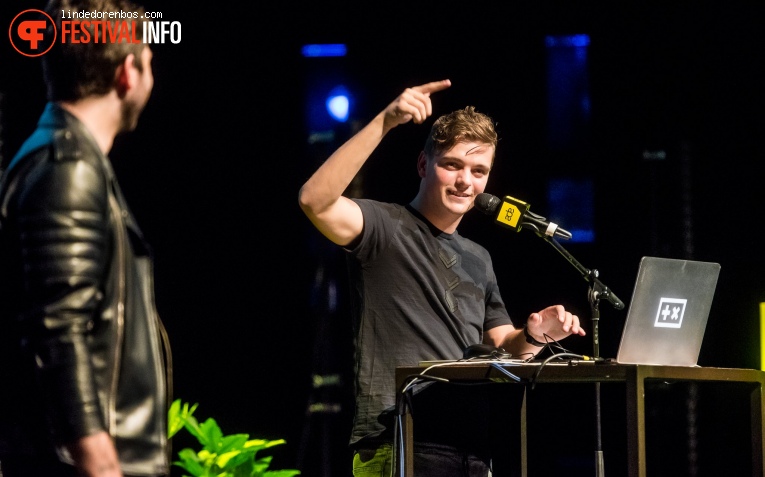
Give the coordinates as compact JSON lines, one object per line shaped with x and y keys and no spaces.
{"x":533,"y":380}
{"x":404,"y":401}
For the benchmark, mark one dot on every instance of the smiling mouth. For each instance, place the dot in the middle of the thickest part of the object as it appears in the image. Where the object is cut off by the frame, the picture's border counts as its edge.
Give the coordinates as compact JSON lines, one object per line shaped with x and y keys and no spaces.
{"x":461,"y":195}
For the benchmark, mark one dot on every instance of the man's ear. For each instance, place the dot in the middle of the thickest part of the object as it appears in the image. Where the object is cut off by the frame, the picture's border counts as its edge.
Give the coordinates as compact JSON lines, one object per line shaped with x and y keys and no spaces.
{"x":422,"y":164}
{"x":125,"y":75}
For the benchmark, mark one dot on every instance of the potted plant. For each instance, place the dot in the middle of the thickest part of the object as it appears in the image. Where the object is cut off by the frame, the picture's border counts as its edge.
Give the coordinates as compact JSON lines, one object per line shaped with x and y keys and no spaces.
{"x":221,"y":455}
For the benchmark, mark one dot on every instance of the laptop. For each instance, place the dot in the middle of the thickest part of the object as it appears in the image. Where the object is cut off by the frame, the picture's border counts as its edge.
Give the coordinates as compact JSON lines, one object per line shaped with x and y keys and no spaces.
{"x":668,"y":313}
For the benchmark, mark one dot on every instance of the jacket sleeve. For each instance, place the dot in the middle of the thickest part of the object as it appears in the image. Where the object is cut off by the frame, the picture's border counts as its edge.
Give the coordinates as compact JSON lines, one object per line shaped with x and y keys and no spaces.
{"x":63,"y":222}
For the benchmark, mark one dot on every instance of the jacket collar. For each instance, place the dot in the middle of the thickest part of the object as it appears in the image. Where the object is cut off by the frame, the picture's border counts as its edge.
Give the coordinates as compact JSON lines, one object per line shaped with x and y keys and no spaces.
{"x":54,"y":118}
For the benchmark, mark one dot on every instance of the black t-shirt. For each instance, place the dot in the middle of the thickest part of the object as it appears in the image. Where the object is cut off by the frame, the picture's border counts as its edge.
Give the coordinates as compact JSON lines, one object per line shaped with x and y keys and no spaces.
{"x":419,"y":294}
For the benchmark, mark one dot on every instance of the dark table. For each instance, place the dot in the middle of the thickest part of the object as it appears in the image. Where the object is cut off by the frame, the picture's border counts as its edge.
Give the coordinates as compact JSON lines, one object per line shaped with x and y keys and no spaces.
{"x":635,"y":378}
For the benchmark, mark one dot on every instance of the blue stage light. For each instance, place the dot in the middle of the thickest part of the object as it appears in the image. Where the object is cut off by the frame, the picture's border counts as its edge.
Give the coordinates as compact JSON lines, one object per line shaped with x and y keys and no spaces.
{"x":567,"y":41}
{"x":323,"y":50}
{"x":571,"y":204}
{"x":568,"y":91}
{"x":339,"y":103}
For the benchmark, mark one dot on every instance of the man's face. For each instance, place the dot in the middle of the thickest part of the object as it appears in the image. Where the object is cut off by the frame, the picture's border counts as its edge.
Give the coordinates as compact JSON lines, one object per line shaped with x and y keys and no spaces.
{"x":138,"y":96}
{"x":454,"y":178}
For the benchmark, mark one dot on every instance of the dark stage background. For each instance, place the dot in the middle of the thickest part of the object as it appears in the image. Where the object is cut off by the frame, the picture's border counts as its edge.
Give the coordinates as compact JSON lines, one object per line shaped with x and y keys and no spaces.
{"x":244,"y":282}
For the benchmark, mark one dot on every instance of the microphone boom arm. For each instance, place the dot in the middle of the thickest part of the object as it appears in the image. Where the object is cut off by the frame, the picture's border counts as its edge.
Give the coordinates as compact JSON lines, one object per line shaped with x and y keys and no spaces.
{"x":597,"y":289}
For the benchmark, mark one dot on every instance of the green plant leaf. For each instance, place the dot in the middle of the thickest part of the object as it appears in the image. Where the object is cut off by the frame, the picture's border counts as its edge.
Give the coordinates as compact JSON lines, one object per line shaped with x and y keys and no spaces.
{"x":221,"y":455}
{"x":178,"y":416}
{"x":234,"y":459}
{"x":211,"y":435}
{"x":174,"y":420}
{"x":190,"y":462}
{"x":234,"y":441}
{"x":244,"y":470}
{"x":276,"y":442}
{"x":261,"y":465}
{"x":194,"y":429}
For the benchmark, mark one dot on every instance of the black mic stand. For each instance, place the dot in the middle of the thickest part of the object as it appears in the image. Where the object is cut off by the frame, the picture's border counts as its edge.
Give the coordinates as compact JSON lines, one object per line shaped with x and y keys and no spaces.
{"x":597,"y":291}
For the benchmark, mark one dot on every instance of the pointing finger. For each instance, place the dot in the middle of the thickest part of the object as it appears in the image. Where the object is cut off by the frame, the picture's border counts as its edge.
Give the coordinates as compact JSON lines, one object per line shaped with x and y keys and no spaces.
{"x":433,"y":86}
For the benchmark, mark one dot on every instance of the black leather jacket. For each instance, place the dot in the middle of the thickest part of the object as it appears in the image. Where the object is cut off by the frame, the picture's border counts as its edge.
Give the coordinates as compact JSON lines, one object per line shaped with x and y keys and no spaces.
{"x":81,"y":345}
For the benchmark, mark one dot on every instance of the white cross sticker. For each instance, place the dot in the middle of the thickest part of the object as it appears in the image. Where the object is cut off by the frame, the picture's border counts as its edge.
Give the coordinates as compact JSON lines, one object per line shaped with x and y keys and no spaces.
{"x":670,"y":312}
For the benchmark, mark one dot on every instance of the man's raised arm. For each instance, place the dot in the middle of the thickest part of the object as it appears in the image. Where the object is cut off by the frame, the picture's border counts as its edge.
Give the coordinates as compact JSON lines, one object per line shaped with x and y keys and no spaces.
{"x":321,"y":199}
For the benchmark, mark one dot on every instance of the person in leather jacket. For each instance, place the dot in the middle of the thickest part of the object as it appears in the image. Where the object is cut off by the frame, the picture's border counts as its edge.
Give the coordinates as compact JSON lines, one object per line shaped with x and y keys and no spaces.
{"x":85,"y":362}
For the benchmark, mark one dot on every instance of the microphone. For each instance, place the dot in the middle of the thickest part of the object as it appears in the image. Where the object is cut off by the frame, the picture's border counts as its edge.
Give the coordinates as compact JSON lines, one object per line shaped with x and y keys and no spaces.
{"x":514,"y":213}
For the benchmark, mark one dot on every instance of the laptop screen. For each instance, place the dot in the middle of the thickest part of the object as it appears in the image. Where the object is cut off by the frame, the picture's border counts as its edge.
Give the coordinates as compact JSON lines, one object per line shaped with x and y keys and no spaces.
{"x":668,"y":313}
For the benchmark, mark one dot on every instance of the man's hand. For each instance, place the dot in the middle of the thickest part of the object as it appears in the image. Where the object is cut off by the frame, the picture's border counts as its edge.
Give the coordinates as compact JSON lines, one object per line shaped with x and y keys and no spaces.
{"x":96,"y":456}
{"x":555,"y":322}
{"x":413,"y":104}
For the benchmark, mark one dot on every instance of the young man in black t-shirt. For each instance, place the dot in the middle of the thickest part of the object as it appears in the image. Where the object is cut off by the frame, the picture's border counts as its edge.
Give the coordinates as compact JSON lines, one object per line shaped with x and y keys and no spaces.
{"x":422,"y":291}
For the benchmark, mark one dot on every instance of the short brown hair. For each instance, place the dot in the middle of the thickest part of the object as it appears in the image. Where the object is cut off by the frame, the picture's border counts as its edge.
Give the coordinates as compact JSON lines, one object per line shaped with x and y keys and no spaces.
{"x":460,"y":126}
{"x":76,"y":71}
